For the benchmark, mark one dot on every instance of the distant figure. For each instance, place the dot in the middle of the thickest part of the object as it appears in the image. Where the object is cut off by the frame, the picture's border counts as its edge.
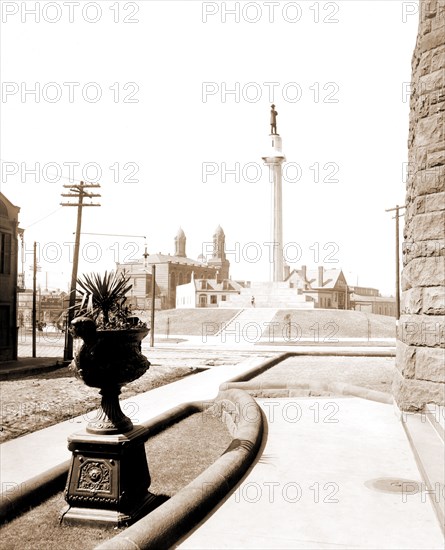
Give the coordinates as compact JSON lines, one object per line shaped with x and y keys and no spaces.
{"x":252,"y":301}
{"x":273,"y":120}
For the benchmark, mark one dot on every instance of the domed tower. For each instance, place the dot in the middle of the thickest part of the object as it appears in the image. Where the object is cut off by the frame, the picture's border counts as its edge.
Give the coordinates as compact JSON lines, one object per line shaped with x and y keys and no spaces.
{"x":218,"y":258}
{"x":180,"y":241}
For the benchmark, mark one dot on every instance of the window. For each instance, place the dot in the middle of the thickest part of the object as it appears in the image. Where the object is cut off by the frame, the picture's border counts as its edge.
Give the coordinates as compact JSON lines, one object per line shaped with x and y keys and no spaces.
{"x":4,"y":326}
{"x":213,"y":299}
{"x":5,"y":253}
{"x":329,"y":302}
{"x":223,"y":298}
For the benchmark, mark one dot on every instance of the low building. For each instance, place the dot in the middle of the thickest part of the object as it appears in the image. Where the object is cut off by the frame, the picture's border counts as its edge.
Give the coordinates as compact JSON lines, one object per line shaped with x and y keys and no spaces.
{"x":327,"y":288}
{"x":9,"y":232}
{"x":370,"y":300}
{"x":206,"y":293}
{"x":50,"y":308}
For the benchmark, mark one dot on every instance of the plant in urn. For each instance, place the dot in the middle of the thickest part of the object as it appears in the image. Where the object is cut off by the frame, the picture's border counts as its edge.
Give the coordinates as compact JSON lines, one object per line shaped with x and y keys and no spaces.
{"x":111,"y":352}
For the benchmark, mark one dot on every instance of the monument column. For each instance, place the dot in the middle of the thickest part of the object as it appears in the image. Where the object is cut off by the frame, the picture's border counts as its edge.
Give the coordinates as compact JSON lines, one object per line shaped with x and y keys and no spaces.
{"x":274,"y":160}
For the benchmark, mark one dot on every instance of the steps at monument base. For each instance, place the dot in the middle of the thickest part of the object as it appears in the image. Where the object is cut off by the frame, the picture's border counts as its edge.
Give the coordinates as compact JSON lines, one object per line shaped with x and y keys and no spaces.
{"x":268,"y":295}
{"x":248,"y":325}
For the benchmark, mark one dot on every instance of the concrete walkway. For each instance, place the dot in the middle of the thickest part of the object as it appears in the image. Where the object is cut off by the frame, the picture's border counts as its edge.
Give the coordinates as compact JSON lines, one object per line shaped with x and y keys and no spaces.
{"x":312,"y":486}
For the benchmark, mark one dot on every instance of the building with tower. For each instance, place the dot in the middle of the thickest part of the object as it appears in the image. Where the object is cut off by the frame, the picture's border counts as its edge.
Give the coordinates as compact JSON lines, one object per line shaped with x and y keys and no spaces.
{"x":218,"y":258}
{"x":173,"y":270}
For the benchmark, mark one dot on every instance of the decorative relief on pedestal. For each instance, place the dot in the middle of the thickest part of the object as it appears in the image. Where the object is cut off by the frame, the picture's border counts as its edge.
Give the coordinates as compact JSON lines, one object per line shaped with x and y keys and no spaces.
{"x":94,"y":476}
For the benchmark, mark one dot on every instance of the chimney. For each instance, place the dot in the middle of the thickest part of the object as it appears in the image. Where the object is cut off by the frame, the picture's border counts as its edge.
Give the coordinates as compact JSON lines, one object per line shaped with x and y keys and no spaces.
{"x":320,"y":275}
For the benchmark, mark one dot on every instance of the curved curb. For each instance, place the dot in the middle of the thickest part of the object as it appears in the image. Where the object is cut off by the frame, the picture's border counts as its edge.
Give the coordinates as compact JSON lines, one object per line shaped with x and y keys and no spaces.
{"x":15,"y":499}
{"x":169,"y":523}
{"x":339,"y":388}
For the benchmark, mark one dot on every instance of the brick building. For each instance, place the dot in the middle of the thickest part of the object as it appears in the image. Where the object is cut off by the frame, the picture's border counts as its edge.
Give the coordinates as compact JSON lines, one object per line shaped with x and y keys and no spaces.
{"x":9,"y":232}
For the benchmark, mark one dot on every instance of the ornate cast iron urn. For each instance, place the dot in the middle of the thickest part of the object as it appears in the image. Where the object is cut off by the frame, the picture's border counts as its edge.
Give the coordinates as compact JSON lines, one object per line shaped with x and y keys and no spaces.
{"x":108,"y":479}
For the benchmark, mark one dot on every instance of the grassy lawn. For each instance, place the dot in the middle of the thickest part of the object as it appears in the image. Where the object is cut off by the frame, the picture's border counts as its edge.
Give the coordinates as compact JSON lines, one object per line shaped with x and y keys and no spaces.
{"x":41,"y":400}
{"x":325,"y":325}
{"x":190,"y":321}
{"x":175,"y":457}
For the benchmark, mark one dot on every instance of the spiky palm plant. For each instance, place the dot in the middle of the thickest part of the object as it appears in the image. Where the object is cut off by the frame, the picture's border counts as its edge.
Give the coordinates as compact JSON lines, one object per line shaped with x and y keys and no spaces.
{"x":103,"y":299}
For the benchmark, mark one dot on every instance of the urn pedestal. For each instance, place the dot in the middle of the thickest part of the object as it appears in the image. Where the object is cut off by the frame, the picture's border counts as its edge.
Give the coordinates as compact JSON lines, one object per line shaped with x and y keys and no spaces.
{"x":108,"y":479}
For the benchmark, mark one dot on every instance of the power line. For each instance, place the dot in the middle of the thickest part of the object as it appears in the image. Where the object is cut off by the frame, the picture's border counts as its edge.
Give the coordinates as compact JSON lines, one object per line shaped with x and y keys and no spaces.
{"x":44,"y":218}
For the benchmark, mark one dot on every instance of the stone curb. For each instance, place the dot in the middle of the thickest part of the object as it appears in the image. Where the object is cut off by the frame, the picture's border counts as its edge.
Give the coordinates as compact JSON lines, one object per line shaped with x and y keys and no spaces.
{"x":20,"y":371}
{"x":174,"y":519}
{"x":338,"y":388}
{"x":15,"y":499}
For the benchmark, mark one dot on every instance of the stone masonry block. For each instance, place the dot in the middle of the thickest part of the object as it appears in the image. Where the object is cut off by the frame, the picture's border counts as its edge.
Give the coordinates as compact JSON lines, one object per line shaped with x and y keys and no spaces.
{"x":429,"y":226}
{"x":433,"y":300}
{"x":411,"y":301}
{"x":406,"y":359}
{"x":429,"y":130}
{"x":435,"y":202}
{"x":412,"y":394}
{"x":430,"y":364}
{"x":423,"y":272}
{"x":430,"y":181}
{"x":432,"y":81}
{"x":422,"y":330}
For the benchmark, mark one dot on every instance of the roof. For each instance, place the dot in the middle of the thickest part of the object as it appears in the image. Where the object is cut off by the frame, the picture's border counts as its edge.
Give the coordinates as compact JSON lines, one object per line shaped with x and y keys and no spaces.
{"x":227,"y":285}
{"x":330,"y":277}
{"x":164,"y":259}
{"x":361,"y":298}
{"x":7,"y":208}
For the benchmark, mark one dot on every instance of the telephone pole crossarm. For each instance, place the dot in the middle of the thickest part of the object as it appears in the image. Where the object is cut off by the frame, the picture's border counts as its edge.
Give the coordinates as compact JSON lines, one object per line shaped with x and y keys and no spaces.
{"x":79,"y":194}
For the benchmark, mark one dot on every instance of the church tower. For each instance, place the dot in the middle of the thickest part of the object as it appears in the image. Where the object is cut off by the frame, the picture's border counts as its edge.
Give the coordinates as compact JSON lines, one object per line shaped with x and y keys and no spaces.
{"x":180,"y":241}
{"x":218,"y":258}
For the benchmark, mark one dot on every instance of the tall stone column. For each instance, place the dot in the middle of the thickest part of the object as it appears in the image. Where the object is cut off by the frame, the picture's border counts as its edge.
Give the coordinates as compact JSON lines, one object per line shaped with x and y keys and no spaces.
{"x":274,"y":160}
{"x":420,"y":374}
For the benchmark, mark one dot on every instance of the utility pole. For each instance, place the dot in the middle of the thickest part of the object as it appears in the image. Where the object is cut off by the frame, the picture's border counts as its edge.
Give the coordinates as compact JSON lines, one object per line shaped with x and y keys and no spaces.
{"x":77,"y":191}
{"x":34,"y":296}
{"x":153,"y":300}
{"x":397,"y":216}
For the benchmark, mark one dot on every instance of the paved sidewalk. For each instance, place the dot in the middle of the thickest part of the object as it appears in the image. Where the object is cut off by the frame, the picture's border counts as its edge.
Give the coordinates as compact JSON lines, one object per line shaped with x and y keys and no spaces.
{"x":312,"y":485}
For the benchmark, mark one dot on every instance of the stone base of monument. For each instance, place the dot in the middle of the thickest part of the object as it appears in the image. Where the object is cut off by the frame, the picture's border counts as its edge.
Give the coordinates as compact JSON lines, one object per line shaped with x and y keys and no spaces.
{"x":108,"y":479}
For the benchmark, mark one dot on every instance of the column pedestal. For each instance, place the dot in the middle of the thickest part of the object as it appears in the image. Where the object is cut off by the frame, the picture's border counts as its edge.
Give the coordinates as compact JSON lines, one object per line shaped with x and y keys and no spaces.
{"x":108,"y":479}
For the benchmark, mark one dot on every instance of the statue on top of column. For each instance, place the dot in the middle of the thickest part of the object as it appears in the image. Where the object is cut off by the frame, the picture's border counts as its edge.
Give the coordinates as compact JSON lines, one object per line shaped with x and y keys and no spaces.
{"x":273,"y":120}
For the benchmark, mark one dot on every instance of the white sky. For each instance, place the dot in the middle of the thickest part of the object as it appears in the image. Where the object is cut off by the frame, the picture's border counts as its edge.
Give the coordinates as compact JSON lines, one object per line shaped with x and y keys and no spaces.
{"x":363,"y":61}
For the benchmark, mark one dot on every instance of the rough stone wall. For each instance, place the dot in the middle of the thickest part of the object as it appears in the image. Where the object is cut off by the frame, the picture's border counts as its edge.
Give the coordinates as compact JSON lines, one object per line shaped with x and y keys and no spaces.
{"x":420,"y":373}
